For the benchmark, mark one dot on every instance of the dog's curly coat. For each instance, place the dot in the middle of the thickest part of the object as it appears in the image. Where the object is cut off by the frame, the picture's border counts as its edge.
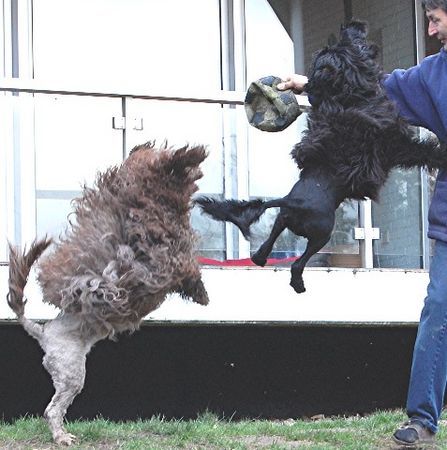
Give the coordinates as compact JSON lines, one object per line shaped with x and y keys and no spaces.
{"x":354,"y":138}
{"x":130,"y":246}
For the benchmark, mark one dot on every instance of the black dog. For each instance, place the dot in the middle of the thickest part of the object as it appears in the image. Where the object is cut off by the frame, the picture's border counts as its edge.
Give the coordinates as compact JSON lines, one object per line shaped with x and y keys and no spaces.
{"x":354,"y":138}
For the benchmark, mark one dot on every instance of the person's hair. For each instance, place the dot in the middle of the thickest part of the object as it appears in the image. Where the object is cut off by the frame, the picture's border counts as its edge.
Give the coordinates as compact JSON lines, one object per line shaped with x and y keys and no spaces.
{"x":428,"y":5}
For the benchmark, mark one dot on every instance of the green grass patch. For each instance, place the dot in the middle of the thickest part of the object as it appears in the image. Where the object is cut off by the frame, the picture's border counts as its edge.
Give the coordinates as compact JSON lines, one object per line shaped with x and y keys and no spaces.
{"x":209,"y":432}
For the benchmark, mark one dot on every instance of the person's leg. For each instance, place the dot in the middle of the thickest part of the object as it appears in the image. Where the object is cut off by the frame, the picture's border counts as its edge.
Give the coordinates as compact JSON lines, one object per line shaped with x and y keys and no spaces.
{"x":429,"y":367}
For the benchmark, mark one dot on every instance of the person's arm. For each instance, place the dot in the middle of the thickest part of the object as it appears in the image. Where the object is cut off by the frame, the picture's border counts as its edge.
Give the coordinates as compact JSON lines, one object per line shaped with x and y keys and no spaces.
{"x":418,"y":93}
{"x":407,"y":89}
{"x":295,"y":82}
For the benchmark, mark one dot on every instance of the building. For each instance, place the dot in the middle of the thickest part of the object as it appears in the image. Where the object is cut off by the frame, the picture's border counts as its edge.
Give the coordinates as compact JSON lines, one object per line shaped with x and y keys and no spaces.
{"x":86,"y":80}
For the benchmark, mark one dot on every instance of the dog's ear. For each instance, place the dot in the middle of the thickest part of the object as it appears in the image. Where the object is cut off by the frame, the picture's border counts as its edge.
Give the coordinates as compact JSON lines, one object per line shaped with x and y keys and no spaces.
{"x":189,"y":156}
{"x":354,"y":33}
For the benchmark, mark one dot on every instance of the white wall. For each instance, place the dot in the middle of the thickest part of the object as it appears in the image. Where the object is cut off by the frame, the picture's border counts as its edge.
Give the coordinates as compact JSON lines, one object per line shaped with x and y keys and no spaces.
{"x":264,"y":294}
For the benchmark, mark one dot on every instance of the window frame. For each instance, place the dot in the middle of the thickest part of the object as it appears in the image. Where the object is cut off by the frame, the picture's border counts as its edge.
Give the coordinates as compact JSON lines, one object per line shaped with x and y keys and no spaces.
{"x":18,"y":200}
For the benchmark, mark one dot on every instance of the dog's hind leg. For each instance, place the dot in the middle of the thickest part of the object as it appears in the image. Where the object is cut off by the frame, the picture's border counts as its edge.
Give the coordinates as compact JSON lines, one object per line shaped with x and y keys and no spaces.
{"x":240,"y":212}
{"x":261,"y":255}
{"x":313,"y":246}
{"x":65,"y":362}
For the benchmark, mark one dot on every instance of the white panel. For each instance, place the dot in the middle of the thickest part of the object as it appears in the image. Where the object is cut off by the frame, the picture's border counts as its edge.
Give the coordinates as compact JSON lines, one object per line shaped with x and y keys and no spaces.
{"x":338,"y":295}
{"x":255,"y":294}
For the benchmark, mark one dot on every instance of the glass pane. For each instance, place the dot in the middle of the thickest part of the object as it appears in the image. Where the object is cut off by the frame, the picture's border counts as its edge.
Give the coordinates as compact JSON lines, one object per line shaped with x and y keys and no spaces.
{"x":266,"y":56}
{"x":20,"y":151}
{"x":311,"y":25}
{"x":272,"y":172}
{"x":391,"y":26}
{"x":287,"y":245}
{"x":166,"y":44}
{"x":398,"y":216}
{"x":180,"y":123}
{"x":341,"y":251}
{"x":276,"y":174}
{"x":398,"y":212}
{"x":211,"y":235}
{"x":74,"y":139}
{"x":430,"y":186}
{"x":6,"y":173}
{"x":52,"y":216}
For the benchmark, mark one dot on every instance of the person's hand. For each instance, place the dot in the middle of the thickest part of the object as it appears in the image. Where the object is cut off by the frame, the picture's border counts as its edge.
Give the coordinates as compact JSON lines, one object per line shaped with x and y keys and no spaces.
{"x":295,"y":82}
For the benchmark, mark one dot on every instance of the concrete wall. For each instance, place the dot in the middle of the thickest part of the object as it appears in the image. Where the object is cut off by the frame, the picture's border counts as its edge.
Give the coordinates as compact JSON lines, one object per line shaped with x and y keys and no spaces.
{"x":233,"y":370}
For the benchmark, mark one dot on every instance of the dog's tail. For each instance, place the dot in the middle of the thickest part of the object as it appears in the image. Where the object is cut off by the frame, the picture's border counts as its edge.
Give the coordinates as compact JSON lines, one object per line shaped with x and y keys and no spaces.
{"x":20,"y":264}
{"x":240,"y":212}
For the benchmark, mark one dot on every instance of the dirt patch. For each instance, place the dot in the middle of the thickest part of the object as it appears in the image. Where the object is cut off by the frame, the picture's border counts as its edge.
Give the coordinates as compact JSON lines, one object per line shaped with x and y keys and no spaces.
{"x":261,"y":442}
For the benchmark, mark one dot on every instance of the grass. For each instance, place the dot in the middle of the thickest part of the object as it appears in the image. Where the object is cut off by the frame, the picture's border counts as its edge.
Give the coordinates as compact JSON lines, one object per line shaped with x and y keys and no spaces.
{"x":209,"y":432}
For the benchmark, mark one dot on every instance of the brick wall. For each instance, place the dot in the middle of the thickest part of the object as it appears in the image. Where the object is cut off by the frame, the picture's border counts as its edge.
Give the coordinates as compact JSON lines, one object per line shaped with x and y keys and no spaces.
{"x":321,"y":20}
{"x":398,"y":213}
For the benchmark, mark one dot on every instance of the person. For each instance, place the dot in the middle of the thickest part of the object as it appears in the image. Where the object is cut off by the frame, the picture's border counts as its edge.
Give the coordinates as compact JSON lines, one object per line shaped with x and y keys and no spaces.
{"x":420,"y":93}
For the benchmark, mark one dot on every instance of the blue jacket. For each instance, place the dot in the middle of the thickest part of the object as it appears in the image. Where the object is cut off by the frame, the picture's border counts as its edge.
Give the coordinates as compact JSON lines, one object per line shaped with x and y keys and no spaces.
{"x":421,"y":96}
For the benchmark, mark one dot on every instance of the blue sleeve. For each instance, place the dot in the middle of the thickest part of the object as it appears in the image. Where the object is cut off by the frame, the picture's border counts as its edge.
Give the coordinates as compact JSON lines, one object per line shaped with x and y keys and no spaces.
{"x":408,"y":89}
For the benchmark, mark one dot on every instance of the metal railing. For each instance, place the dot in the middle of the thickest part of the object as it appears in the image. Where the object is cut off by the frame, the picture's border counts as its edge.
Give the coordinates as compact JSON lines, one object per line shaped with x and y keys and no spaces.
{"x":140,"y":92}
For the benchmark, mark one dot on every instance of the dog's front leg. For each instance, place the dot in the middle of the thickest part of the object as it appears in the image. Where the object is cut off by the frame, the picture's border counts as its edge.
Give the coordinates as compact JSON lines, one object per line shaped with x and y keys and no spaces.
{"x":410,"y":153}
{"x":193,"y":288}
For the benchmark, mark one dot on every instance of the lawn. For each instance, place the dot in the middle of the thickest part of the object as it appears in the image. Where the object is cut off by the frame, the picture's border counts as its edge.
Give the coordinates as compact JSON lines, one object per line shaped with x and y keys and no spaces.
{"x":209,"y":432}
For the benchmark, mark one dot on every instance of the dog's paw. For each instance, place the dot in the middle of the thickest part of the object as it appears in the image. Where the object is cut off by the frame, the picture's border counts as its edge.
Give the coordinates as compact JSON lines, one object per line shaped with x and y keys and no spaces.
{"x":199,"y":294}
{"x":66,"y":439}
{"x":259,"y":260}
{"x":298,"y":285}
{"x":201,"y":299}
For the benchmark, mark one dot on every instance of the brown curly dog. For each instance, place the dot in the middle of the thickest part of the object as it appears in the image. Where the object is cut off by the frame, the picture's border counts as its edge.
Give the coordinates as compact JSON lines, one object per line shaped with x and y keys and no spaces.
{"x":130,"y":245}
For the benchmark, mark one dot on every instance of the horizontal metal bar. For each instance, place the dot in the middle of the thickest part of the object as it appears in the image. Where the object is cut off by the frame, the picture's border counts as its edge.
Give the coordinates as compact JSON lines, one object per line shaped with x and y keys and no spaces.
{"x":39,"y":87}
{"x":256,"y":323}
{"x":48,"y":194}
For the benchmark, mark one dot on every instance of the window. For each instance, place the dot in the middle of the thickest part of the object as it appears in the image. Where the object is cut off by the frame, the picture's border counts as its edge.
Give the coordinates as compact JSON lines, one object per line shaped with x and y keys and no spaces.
{"x":399,"y":216}
{"x":52,"y":144}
